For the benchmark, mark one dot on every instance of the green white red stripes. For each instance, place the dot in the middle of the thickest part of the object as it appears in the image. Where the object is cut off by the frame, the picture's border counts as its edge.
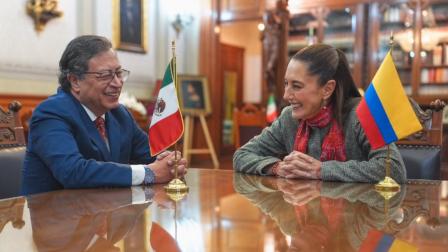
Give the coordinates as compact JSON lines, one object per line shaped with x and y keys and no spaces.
{"x":166,"y":124}
{"x":271,"y":112}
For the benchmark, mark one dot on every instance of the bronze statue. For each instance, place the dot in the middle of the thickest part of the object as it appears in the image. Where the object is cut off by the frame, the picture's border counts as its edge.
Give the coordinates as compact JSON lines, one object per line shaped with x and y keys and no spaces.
{"x":271,"y":45}
{"x":42,"y":11}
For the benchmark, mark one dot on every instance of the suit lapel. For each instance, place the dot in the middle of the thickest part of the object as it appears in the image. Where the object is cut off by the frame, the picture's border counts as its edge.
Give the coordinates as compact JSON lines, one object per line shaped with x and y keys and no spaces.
{"x":97,"y":139}
{"x":113,"y":133}
{"x":92,"y":131}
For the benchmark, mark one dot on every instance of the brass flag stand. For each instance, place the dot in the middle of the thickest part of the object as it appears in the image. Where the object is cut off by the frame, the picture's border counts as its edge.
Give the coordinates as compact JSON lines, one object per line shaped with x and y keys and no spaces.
{"x":176,"y":189}
{"x":388,"y":187}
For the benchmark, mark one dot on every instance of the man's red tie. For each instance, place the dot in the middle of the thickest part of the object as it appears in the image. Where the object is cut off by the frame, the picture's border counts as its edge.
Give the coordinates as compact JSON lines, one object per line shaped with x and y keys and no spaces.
{"x":101,"y":126}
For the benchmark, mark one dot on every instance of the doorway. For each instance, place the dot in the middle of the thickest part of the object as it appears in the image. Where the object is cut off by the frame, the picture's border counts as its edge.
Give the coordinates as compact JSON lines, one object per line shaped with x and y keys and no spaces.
{"x":231,"y":75}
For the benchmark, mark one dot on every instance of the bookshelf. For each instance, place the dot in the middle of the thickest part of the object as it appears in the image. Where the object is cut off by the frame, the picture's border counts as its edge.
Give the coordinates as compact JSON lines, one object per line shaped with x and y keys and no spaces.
{"x":420,"y":53}
{"x":362,"y":30}
{"x":337,"y":25}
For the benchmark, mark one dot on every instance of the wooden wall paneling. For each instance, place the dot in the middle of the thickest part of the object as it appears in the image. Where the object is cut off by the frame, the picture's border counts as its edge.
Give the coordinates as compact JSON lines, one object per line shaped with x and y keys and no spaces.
{"x":358,"y":47}
{"x":372,"y":38}
{"x":209,"y":58}
{"x":235,"y":10}
{"x":232,"y":60}
{"x":416,"y":64}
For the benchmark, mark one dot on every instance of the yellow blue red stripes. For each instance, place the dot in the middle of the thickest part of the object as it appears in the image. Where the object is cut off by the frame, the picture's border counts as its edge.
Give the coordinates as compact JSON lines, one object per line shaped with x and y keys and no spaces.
{"x":385,"y":113}
{"x":377,"y":241}
{"x":370,"y":127}
{"x":379,"y":115}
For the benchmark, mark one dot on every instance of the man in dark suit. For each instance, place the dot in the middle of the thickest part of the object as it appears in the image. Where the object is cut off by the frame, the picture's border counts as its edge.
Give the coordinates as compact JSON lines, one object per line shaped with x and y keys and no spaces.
{"x":82,"y":137}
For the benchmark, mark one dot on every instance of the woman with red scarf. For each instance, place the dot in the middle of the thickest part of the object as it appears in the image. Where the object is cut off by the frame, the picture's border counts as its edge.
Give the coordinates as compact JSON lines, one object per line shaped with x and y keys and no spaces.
{"x":319,"y":135}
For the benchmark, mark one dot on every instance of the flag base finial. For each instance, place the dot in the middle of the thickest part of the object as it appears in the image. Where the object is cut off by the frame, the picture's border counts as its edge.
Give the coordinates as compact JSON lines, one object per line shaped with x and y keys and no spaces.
{"x":176,"y":189}
{"x":387,"y":185}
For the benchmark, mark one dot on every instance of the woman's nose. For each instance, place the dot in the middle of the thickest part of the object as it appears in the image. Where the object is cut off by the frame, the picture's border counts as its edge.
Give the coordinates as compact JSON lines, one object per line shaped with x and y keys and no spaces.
{"x":286,"y":94}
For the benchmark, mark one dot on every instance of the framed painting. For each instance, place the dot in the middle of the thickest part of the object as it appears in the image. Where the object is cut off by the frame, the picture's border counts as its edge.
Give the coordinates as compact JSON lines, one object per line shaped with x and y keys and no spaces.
{"x":194,"y":96}
{"x":129,"y":27}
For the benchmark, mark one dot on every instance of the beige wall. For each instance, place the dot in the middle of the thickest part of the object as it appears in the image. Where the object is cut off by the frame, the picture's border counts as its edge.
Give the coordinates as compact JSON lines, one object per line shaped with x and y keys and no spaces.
{"x":29,"y":61}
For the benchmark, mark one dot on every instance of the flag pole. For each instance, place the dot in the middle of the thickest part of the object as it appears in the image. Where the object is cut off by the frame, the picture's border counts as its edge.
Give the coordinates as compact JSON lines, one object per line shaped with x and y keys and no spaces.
{"x":173,"y":51}
{"x":177,"y":188}
{"x":388,"y":186}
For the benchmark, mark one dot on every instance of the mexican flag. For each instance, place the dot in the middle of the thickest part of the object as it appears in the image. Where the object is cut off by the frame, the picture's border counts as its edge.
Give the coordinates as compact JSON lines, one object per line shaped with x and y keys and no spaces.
{"x":167,"y":125}
{"x":271,"y":112}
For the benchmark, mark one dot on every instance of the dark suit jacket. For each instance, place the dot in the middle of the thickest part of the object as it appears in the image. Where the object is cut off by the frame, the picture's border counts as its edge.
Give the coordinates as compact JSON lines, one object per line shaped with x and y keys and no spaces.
{"x":65,"y":149}
{"x":60,"y":224}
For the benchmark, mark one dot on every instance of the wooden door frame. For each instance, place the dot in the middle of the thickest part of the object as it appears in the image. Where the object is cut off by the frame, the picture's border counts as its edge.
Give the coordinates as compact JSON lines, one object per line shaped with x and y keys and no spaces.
{"x":239,"y":89}
{"x":209,"y":66}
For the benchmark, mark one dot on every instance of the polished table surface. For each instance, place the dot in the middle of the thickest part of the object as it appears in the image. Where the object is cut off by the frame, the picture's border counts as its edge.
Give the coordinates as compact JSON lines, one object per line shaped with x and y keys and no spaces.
{"x":226,"y":211}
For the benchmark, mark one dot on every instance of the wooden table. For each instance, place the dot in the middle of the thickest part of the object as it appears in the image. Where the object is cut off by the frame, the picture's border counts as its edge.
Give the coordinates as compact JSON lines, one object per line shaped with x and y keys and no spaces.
{"x":227,"y":212}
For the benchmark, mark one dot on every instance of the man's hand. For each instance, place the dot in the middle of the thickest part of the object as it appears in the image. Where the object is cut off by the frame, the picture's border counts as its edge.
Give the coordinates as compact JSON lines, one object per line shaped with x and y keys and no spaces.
{"x":163,"y":155}
{"x":164,"y":166}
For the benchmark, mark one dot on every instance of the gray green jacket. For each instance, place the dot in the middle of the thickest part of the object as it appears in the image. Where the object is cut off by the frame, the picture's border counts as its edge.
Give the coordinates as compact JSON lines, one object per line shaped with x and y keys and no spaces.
{"x":362,"y":165}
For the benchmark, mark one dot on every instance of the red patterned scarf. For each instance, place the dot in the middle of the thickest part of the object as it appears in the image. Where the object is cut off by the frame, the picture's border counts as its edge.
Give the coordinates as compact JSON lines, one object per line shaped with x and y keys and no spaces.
{"x":333,"y":145}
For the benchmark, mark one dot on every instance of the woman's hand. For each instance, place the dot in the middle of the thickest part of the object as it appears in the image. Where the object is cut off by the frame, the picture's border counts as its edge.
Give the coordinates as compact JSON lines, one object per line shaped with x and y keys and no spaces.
{"x":299,"y":192}
{"x":300,"y":165}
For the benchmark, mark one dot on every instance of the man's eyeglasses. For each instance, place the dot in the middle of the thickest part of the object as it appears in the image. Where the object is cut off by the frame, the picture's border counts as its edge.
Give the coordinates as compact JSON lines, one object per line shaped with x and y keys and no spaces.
{"x":108,"y":75}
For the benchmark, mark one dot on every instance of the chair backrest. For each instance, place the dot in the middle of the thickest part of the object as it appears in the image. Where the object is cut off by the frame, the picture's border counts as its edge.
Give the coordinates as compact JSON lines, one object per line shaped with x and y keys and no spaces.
{"x":248,"y":122}
{"x":11,"y":130}
{"x":421,"y":150}
{"x":11,"y":160}
{"x":12,"y":151}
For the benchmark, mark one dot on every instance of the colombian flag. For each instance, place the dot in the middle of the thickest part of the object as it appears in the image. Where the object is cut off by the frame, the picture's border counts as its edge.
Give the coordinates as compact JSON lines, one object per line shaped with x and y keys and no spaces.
{"x":380,"y":242}
{"x":385,"y":112}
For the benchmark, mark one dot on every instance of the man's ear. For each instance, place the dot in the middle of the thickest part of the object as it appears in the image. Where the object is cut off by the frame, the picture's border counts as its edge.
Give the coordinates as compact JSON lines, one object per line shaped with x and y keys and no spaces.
{"x":73,"y":79}
{"x":328,"y":89}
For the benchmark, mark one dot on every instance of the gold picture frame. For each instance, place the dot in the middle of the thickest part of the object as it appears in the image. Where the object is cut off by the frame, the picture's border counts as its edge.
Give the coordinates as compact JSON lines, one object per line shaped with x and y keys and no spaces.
{"x":129,"y":25}
{"x":194,"y":96}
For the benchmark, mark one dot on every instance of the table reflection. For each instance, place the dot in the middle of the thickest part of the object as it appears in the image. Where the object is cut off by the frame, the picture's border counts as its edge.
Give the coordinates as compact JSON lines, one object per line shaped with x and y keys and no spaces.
{"x":75,"y":220}
{"x":226,"y":211}
{"x":313,"y":214}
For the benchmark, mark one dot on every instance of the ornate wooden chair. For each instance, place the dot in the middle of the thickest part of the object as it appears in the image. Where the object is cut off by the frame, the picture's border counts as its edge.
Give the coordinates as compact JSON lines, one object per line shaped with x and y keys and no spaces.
{"x":248,"y":122}
{"x":12,"y":151}
{"x":12,"y":211}
{"x":11,"y":130}
{"x":421,"y":151}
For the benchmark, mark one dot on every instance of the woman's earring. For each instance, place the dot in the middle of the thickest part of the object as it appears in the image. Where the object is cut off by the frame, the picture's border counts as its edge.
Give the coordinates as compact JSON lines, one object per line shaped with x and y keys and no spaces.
{"x":324,"y":104}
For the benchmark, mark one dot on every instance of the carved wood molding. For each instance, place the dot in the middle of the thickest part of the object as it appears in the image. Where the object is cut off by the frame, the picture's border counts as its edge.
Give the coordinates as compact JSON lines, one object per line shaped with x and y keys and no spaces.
{"x":11,"y":130}
{"x":421,"y":200}
{"x":12,"y":211}
{"x":431,"y":121}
